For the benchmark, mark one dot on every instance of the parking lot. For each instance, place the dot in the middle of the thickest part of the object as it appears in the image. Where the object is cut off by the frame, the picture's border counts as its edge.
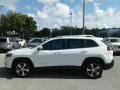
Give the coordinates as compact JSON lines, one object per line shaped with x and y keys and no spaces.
{"x":60,"y":80}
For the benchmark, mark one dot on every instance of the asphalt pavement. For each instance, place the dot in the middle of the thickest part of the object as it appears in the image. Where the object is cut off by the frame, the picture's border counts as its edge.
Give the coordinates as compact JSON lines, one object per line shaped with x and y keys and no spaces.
{"x":60,"y":80}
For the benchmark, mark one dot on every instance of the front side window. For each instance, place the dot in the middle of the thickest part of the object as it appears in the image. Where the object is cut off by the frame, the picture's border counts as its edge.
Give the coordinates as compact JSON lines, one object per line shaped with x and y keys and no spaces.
{"x":75,"y":43}
{"x":55,"y":45}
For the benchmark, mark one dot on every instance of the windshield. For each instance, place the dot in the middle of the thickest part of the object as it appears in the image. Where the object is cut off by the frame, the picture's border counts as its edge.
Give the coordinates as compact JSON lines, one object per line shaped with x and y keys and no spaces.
{"x":13,"y":40}
{"x":3,"y":40}
{"x":36,"y":40}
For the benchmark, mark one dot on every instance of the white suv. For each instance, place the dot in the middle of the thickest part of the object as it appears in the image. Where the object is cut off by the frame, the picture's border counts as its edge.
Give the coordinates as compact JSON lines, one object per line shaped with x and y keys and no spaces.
{"x":89,"y":53}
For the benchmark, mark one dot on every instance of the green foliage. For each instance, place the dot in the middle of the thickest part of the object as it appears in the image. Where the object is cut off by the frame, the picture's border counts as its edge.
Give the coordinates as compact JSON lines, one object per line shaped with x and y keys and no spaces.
{"x":66,"y":30}
{"x":45,"y":32}
{"x":18,"y":23}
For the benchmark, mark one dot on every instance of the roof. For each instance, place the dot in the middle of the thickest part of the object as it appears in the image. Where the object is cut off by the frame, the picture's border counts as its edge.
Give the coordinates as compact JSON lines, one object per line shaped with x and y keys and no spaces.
{"x":74,"y":37}
{"x":77,"y":36}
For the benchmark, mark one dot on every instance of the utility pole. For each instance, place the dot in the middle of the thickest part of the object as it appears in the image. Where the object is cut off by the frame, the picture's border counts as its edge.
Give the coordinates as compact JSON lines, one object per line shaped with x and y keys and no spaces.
{"x":83,"y":17}
{"x":1,"y":14}
{"x":71,"y":23}
{"x":1,"y":6}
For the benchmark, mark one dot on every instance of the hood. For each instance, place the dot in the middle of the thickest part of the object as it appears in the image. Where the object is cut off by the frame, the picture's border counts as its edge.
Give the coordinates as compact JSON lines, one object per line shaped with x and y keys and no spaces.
{"x":31,"y":44}
{"x":24,"y":51}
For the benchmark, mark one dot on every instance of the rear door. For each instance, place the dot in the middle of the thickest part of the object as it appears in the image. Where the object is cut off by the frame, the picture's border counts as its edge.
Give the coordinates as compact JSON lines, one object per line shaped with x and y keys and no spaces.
{"x":74,"y":53}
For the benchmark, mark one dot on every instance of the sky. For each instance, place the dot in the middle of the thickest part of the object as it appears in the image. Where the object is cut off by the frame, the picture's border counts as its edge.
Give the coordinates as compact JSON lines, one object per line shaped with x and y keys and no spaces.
{"x":56,"y":13}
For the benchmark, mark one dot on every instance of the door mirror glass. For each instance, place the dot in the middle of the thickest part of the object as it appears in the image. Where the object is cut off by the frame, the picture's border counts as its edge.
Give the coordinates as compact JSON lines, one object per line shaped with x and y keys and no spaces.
{"x":40,"y":47}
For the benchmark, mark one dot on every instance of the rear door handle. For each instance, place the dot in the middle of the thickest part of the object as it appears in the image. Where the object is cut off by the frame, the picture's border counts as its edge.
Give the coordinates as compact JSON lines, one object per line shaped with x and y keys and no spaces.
{"x":56,"y":53}
{"x":83,"y":52}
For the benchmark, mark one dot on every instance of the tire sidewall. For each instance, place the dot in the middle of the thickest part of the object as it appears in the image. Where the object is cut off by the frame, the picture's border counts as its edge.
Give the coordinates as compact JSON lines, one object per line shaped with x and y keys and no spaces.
{"x":85,"y":70}
{"x":30,"y":68}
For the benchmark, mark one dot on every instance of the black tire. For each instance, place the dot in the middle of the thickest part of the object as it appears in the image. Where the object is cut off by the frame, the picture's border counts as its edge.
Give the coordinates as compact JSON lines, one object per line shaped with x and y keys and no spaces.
{"x":93,"y":70}
{"x":22,"y":68}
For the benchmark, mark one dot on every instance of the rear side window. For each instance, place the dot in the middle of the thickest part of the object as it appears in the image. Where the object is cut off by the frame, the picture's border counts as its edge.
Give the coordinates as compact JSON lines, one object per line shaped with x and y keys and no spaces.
{"x":75,"y":43}
{"x":91,"y":43}
{"x":3,"y":40}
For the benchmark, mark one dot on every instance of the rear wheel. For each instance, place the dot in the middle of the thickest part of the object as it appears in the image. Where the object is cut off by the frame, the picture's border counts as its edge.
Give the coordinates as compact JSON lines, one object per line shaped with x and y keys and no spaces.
{"x":23,"y":69}
{"x":93,"y":70}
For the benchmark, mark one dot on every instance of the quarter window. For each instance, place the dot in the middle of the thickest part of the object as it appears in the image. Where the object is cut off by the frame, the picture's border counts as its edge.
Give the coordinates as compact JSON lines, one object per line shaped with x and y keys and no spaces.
{"x":91,"y":43}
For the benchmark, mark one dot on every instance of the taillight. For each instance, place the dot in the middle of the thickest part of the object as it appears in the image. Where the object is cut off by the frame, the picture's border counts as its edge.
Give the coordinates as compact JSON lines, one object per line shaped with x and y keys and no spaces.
{"x":109,"y":48}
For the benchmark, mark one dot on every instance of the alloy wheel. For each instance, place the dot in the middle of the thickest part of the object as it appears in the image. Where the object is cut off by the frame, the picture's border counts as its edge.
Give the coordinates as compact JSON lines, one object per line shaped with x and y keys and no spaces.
{"x":22,"y":69}
{"x":93,"y":70}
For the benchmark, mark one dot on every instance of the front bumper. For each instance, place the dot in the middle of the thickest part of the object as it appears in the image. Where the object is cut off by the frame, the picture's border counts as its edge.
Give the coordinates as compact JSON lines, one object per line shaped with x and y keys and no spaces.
{"x":2,"y":50}
{"x":109,"y":66}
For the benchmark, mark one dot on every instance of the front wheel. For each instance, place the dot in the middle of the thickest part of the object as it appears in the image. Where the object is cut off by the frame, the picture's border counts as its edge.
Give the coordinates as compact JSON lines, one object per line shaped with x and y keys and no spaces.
{"x":93,"y":70}
{"x":23,"y":69}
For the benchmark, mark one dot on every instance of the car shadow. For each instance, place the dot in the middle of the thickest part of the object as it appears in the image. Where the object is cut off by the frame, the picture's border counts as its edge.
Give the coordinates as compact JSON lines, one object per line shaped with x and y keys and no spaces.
{"x":46,"y":73}
{"x":116,"y":54}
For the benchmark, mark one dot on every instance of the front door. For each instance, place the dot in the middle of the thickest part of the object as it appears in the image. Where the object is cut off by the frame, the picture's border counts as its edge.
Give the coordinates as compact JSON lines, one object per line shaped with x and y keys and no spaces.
{"x":51,"y":54}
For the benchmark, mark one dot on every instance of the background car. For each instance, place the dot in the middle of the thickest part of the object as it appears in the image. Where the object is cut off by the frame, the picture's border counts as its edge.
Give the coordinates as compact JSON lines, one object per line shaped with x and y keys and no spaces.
{"x":14,"y":43}
{"x":92,"y":55}
{"x":22,"y":42}
{"x":35,"y":42}
{"x":5,"y":44}
{"x":116,"y":44}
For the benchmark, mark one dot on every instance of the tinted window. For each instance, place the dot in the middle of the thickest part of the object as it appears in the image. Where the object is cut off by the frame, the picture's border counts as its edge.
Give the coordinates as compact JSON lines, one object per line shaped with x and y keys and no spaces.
{"x":91,"y":43}
{"x":114,"y":40}
{"x":13,"y":40}
{"x":3,"y":40}
{"x":55,"y":45}
{"x":36,"y":40}
{"x":75,"y":43}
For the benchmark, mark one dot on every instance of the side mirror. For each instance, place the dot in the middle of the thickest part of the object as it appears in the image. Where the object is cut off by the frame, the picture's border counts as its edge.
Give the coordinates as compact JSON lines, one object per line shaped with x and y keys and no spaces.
{"x":40,"y":48}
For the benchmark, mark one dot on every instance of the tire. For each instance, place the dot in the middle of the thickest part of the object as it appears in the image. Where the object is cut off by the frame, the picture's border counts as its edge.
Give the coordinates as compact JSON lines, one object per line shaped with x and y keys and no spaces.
{"x":93,"y":70}
{"x":22,"y":69}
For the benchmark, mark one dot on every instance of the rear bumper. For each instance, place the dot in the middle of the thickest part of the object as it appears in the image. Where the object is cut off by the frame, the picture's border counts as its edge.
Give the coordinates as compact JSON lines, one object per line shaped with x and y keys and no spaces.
{"x":109,"y":66}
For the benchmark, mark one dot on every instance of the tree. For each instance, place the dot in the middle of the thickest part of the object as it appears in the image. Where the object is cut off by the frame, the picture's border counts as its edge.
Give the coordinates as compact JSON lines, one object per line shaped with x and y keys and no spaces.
{"x":45,"y":32}
{"x":19,"y":23}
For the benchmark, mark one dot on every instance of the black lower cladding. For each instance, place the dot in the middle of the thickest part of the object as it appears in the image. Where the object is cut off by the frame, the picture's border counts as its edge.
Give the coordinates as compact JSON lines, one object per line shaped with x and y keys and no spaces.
{"x":2,"y":50}
{"x":109,"y":66}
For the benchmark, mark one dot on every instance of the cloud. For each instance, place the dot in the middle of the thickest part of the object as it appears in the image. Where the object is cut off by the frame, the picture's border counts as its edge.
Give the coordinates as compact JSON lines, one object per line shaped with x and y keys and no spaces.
{"x":98,"y":12}
{"x":60,"y":10}
{"x":10,"y":4}
{"x":54,"y":16}
{"x":89,"y":0}
{"x":31,"y":15}
{"x":103,"y":18}
{"x":42,"y":15}
{"x":72,"y":1}
{"x":48,"y":2}
{"x":58,"y":14}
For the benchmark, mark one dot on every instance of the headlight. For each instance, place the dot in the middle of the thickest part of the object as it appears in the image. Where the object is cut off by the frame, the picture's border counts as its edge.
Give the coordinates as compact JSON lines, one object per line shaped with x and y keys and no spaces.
{"x":8,"y":54}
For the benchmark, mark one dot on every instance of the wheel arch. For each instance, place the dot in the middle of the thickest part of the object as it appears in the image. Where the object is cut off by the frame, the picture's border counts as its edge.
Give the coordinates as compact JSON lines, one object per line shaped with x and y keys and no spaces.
{"x":26,"y":59}
{"x":93,"y":59}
